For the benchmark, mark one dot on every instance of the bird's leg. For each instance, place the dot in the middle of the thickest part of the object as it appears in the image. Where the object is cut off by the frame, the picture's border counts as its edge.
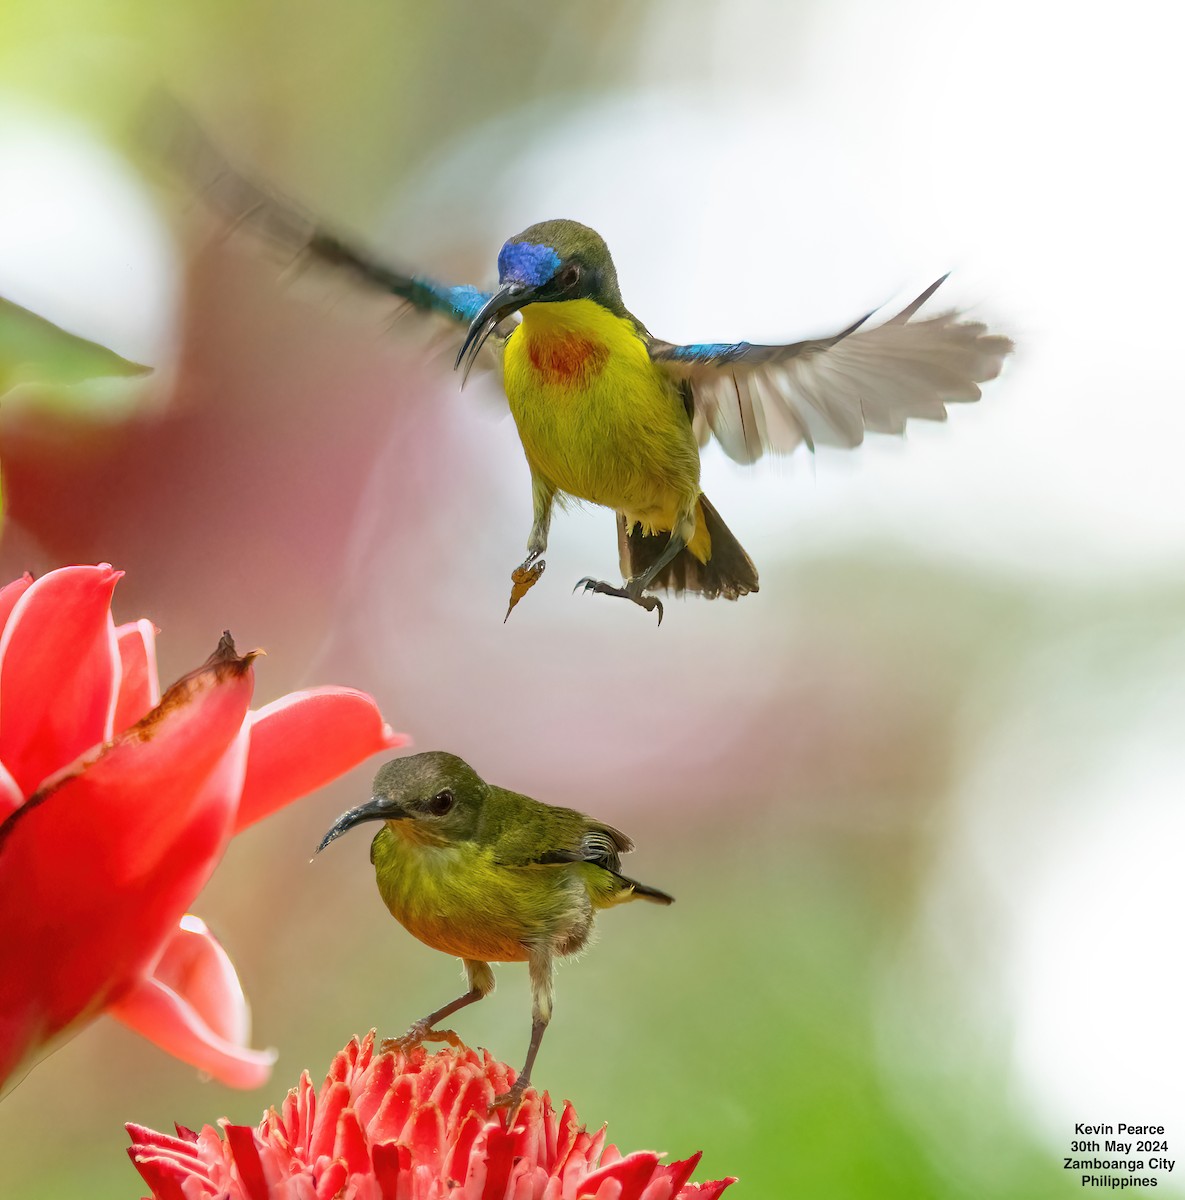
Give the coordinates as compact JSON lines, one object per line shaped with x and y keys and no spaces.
{"x":542,"y":995}
{"x":529,"y":571}
{"x":481,"y":983}
{"x":635,"y":587}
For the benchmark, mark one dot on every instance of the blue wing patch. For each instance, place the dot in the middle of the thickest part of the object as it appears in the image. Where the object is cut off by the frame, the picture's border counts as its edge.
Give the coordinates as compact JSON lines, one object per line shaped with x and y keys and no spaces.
{"x":462,"y":303}
{"x":699,"y":352}
{"x":831,"y":390}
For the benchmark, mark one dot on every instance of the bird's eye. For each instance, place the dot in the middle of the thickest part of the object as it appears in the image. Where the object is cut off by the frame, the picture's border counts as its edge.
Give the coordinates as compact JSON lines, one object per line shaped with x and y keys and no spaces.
{"x":440,"y":803}
{"x":569,"y":276}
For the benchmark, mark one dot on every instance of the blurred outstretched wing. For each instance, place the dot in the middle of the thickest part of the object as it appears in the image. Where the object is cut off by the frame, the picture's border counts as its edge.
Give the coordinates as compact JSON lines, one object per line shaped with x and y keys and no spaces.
{"x":300,"y":238}
{"x":828,"y":391}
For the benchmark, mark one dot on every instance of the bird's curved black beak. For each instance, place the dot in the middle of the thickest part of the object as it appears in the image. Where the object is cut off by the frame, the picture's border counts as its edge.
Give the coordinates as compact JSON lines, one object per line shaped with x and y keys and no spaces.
{"x":377,"y":808}
{"x":498,"y":307}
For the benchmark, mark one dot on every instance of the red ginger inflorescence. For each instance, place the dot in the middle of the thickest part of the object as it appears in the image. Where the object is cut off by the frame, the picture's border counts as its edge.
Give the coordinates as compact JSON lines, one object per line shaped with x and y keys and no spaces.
{"x":407,"y":1126}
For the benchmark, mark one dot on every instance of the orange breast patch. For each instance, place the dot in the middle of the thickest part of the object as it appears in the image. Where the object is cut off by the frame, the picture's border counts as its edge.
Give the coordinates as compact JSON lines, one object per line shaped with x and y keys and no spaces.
{"x":565,"y":358}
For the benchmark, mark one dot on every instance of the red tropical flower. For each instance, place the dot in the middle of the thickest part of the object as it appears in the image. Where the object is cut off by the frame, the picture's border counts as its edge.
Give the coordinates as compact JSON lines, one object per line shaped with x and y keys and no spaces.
{"x":407,"y":1126}
{"x":116,"y":804}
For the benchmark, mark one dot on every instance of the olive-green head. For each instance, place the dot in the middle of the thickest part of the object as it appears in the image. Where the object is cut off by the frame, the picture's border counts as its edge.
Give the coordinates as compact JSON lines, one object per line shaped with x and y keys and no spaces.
{"x":560,"y":260}
{"x":548,"y":263}
{"x":438,"y":795}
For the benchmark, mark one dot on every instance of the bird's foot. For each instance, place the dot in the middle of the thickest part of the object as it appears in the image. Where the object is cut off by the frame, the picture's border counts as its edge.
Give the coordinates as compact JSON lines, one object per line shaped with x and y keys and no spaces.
{"x":445,"y":1035}
{"x":629,"y":592}
{"x":417,"y":1035}
{"x":512,"y":1100}
{"x":523,"y":578}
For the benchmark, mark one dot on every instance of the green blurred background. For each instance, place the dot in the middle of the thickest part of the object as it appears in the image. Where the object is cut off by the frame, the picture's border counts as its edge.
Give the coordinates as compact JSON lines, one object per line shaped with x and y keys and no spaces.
{"x":919,"y":799}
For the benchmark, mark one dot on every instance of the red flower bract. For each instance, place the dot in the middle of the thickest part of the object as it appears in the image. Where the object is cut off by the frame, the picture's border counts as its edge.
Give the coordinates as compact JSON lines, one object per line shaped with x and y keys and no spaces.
{"x":407,"y":1126}
{"x":115,"y":805}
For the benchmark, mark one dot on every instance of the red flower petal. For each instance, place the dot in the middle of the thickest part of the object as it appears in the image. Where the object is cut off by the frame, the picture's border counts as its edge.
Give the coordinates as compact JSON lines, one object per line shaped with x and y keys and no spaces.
{"x":10,"y":795}
{"x":193,"y":1007}
{"x":165,"y":1176}
{"x":331,"y":1183}
{"x":706,"y":1191}
{"x":58,"y":672}
{"x":499,"y":1160}
{"x":389,"y":1160}
{"x":10,"y":593}
{"x":168,"y":1163}
{"x":391,"y":1119}
{"x":467,"y":1129}
{"x":680,"y":1172}
{"x":366,"y":1105}
{"x":139,"y":689}
{"x":331,"y":1102}
{"x":304,"y":740}
{"x":101,"y":865}
{"x":631,"y":1174}
{"x":350,"y":1145}
{"x":195,"y":966}
{"x":241,"y":1140}
{"x":179,"y":1147}
{"x":426,"y":1135}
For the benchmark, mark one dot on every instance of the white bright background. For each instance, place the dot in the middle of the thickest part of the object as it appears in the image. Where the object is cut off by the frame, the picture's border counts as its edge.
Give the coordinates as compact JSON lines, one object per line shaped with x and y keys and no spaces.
{"x":1038,"y":164}
{"x":1039,"y":159}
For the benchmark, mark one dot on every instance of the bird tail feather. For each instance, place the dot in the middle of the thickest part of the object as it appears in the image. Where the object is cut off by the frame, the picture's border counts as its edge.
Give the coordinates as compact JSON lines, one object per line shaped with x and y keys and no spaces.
{"x":729,"y":572}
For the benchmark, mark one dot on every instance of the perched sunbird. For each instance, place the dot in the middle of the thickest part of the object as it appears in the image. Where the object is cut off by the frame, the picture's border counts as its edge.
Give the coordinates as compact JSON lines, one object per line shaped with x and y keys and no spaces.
{"x":490,"y":876}
{"x":610,"y":414}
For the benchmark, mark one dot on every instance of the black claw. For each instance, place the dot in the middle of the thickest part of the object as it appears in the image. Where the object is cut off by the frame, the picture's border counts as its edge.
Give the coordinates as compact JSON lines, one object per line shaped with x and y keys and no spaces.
{"x":511,"y":1101}
{"x":601,"y":588}
{"x":595,"y":585}
{"x":649,"y":603}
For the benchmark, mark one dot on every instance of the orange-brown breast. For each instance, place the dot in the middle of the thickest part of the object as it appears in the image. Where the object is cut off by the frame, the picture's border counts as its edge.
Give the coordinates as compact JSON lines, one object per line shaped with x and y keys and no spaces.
{"x":567,"y":357}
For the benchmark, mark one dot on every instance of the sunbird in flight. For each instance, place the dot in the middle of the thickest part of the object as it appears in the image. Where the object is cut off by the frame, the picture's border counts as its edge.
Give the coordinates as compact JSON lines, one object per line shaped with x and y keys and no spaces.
{"x":610,"y":414}
{"x":490,"y":876}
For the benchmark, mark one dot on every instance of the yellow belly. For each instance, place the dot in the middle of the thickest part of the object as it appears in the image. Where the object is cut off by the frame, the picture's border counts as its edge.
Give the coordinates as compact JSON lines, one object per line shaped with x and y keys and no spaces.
{"x":596,"y":418}
{"x":458,"y":900}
